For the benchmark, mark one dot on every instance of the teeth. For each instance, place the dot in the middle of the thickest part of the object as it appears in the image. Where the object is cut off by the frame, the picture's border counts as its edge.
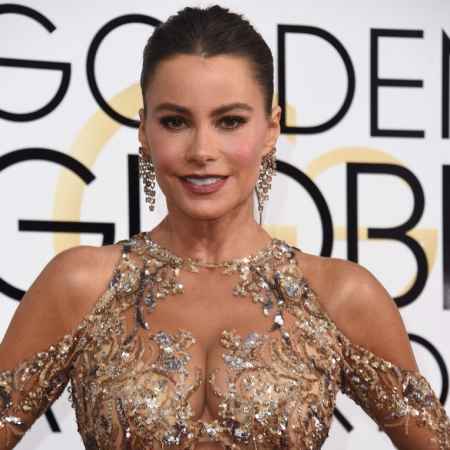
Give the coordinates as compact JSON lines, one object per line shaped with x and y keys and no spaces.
{"x":203,"y":181}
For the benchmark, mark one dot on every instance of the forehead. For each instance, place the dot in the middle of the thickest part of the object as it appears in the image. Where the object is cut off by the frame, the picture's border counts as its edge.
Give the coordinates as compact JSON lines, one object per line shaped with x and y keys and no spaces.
{"x":197,"y":81}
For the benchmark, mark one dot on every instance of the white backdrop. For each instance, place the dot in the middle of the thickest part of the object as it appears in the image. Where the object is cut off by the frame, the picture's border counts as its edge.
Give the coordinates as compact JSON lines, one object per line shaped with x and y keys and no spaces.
{"x":65,"y":161}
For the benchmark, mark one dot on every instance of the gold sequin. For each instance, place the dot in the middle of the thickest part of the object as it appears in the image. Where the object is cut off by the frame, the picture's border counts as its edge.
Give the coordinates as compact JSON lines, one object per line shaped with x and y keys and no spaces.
{"x":281,"y":387}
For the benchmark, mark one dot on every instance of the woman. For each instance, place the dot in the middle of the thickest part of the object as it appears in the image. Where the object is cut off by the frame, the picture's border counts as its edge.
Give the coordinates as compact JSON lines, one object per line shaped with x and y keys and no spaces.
{"x":205,"y":332}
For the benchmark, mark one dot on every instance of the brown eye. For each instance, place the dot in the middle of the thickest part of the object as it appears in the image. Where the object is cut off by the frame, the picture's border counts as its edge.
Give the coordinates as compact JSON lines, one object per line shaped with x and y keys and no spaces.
{"x":232,"y":122}
{"x":172,"y":122}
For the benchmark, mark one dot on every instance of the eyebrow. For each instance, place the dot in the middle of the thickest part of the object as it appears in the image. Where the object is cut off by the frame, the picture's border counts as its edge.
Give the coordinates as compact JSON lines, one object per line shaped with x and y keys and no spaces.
{"x":216,"y":112}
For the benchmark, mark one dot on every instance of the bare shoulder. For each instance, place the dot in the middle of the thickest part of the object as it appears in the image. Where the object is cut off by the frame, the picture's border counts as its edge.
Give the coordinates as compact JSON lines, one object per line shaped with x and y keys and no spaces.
{"x":81,"y":273}
{"x":344,"y":287}
{"x":359,"y":305}
{"x":82,"y":266}
{"x":59,"y":298}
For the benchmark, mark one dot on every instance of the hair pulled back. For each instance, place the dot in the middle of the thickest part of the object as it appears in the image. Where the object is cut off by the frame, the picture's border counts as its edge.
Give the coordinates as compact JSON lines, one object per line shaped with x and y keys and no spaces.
{"x":209,"y":32}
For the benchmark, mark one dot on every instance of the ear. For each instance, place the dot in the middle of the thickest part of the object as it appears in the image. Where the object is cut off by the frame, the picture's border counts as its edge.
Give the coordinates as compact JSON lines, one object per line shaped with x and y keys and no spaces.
{"x":273,"y":130}
{"x":142,"y":135}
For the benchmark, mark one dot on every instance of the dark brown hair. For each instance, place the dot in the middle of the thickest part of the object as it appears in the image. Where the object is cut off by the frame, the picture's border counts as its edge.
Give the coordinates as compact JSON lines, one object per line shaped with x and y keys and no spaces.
{"x":209,"y":31}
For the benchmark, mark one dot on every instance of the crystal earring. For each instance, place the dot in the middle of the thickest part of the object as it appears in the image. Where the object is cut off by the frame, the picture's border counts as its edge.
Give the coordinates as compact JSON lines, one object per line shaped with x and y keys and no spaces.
{"x":147,"y":173}
{"x":263,"y":185}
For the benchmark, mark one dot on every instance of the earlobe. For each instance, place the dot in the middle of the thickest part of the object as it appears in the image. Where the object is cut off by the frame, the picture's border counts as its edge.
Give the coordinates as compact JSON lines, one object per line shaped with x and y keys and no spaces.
{"x":276,"y":113}
{"x":274,"y":129}
{"x":276,"y":117}
{"x":141,"y":131}
{"x":141,"y":137}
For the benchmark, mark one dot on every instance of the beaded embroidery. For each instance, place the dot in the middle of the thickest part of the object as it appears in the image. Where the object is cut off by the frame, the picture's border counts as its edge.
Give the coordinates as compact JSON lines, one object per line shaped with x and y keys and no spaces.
{"x":131,"y":386}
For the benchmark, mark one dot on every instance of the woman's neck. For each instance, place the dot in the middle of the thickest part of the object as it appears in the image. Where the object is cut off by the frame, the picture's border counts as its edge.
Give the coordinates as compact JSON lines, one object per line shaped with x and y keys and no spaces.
{"x":232,"y":236}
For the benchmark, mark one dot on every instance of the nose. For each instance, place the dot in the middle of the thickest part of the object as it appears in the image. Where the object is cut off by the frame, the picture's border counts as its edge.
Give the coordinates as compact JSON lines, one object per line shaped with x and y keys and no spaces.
{"x":202,"y":146}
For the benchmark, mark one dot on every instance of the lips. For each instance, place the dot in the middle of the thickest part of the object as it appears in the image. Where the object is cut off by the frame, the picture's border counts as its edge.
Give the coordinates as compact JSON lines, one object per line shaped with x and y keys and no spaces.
{"x":202,"y":175}
{"x":204,"y":180}
{"x":204,"y":184}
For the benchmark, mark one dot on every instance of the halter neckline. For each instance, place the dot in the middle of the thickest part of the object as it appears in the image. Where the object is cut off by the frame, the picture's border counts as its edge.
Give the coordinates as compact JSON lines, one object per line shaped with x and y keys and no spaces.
{"x":263,"y":253}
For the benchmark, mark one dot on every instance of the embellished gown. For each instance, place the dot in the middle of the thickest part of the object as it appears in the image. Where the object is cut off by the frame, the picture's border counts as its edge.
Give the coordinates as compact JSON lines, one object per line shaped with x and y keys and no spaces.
{"x":269,"y":381}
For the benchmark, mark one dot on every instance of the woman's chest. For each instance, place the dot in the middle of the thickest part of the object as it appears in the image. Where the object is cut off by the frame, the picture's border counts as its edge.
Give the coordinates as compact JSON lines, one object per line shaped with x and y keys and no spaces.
{"x":217,"y":383}
{"x":179,"y":359}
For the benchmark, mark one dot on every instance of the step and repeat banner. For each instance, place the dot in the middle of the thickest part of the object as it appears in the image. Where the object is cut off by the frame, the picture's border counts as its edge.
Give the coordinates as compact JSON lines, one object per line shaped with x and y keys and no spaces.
{"x":363,"y":159}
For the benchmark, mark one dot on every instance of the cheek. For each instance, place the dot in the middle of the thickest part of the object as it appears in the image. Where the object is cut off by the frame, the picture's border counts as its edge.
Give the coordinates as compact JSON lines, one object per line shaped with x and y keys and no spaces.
{"x":245,"y":156}
{"x":165,"y":151}
{"x":247,"y":146}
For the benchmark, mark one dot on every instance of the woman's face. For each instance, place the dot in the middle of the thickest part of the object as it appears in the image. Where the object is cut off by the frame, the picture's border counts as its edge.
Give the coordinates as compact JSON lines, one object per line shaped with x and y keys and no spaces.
{"x":205,"y":119}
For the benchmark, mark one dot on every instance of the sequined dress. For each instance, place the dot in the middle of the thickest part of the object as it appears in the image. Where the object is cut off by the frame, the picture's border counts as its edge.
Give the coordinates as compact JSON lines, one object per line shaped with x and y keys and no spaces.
{"x":136,"y":386}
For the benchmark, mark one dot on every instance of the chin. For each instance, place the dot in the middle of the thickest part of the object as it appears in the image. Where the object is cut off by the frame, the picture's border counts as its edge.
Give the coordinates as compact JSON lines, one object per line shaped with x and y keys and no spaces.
{"x":211,"y":211}
{"x":204,"y":215}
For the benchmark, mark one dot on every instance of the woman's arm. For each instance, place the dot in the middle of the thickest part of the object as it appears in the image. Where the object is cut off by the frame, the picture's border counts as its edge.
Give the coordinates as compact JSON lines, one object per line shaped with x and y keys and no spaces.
{"x":43,"y":338}
{"x":379,"y":369}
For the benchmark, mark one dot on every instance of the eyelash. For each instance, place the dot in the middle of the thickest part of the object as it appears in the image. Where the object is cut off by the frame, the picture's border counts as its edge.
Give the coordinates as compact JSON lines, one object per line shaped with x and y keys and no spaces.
{"x":165,"y":121}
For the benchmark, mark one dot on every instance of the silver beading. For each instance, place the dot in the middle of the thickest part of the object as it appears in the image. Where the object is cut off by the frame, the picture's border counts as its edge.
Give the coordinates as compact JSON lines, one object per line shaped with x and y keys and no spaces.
{"x":147,"y":173}
{"x":264,"y":183}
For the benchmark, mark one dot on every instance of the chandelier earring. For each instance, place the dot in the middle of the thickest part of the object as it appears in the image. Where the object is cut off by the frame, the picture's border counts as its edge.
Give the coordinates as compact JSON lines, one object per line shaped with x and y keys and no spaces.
{"x":147,"y":173}
{"x":264,"y":183}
